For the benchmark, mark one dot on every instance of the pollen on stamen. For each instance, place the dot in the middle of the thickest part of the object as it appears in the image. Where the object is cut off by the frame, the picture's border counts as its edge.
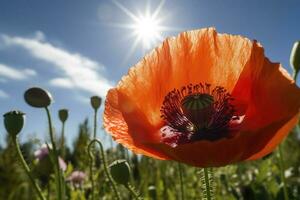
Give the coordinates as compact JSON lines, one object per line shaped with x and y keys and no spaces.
{"x":196,"y":111}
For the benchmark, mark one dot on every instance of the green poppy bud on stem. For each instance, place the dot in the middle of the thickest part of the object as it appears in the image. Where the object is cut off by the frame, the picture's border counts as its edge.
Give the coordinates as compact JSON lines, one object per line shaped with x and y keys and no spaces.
{"x":14,"y":121}
{"x":120,"y":171}
{"x":96,"y":102}
{"x":295,"y":58}
{"x":38,"y":97}
{"x":63,"y":115}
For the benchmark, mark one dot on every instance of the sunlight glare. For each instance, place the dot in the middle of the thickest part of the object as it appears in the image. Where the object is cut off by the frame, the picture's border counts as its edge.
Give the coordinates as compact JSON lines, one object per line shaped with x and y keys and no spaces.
{"x":146,"y":26}
{"x":147,"y":29}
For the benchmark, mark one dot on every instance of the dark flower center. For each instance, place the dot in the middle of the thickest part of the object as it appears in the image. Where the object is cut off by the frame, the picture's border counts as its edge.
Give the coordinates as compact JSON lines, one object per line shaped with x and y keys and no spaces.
{"x":195,"y":112}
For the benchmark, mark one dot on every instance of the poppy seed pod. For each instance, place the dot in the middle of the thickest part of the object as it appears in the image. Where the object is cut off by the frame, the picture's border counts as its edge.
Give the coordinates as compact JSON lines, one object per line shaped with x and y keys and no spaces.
{"x":14,"y":121}
{"x":120,"y":171}
{"x":37,"y":97}
{"x":63,"y":115}
{"x":295,"y":57}
{"x":96,"y":102}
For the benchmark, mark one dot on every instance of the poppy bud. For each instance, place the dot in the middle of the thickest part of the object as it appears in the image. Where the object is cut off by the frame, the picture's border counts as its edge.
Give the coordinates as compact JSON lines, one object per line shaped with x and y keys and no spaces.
{"x":37,"y":97}
{"x":295,"y":57}
{"x":14,"y":121}
{"x":120,"y":171}
{"x":63,"y":115}
{"x":96,"y":102}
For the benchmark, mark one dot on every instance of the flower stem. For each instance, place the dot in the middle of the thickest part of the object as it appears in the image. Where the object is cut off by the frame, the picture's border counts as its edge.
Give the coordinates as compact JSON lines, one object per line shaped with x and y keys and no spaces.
{"x":207,"y":179}
{"x":92,"y":174}
{"x":91,"y":155}
{"x":95,"y":123}
{"x":62,"y":145}
{"x":207,"y":186}
{"x":281,"y":164}
{"x":59,"y":178}
{"x":26,"y":168}
{"x":133,"y":192}
{"x":181,"y":180}
{"x":103,"y":157}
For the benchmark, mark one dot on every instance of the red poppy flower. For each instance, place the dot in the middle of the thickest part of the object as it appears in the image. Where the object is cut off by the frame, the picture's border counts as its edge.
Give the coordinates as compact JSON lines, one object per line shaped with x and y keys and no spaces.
{"x":205,"y":99}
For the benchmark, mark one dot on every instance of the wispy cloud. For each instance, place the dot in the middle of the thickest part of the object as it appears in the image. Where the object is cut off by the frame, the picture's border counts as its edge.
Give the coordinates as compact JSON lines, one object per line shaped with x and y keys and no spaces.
{"x":3,"y":95}
{"x":61,"y":82}
{"x":10,"y":72}
{"x":76,"y":70}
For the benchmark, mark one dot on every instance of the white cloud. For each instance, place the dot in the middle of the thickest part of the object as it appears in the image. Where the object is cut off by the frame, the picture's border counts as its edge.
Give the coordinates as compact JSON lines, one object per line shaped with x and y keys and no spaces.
{"x":15,"y":74}
{"x":78,"y":71}
{"x":3,"y":95}
{"x":61,"y":82}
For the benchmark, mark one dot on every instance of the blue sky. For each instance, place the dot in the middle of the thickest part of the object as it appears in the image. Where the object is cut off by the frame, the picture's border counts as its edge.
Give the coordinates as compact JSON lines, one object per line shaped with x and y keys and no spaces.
{"x":77,"y":49}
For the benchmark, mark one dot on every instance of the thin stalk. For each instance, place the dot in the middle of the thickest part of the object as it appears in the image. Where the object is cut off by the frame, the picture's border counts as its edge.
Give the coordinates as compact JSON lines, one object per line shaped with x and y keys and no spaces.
{"x":133,"y":192}
{"x":58,"y":174}
{"x":91,"y":158}
{"x":92,"y":179}
{"x":281,"y":163}
{"x":106,"y":171}
{"x":207,"y":184}
{"x":95,"y":123}
{"x":62,"y":145}
{"x":27,"y":170}
{"x":181,"y":180}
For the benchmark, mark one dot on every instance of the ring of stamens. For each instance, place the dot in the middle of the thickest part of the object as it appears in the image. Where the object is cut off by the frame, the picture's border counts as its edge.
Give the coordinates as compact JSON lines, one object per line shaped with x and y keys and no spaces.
{"x":196,"y":112}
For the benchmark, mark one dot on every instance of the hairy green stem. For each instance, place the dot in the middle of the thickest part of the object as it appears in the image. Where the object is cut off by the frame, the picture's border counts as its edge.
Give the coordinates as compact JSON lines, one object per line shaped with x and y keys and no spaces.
{"x":27,"y":170}
{"x":103,"y":157}
{"x":133,"y":192}
{"x":59,"y":178}
{"x":207,"y":184}
{"x":281,"y":163}
{"x":181,"y":180}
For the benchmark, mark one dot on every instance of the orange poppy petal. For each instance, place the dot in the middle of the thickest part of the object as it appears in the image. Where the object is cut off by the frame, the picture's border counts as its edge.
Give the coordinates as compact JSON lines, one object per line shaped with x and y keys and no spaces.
{"x":115,"y":124}
{"x":271,"y":95}
{"x":276,"y":139}
{"x":206,"y":153}
{"x":267,"y":89}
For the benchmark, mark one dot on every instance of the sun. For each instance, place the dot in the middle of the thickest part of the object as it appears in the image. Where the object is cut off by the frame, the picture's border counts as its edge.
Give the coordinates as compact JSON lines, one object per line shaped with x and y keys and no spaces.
{"x":146,"y":27}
